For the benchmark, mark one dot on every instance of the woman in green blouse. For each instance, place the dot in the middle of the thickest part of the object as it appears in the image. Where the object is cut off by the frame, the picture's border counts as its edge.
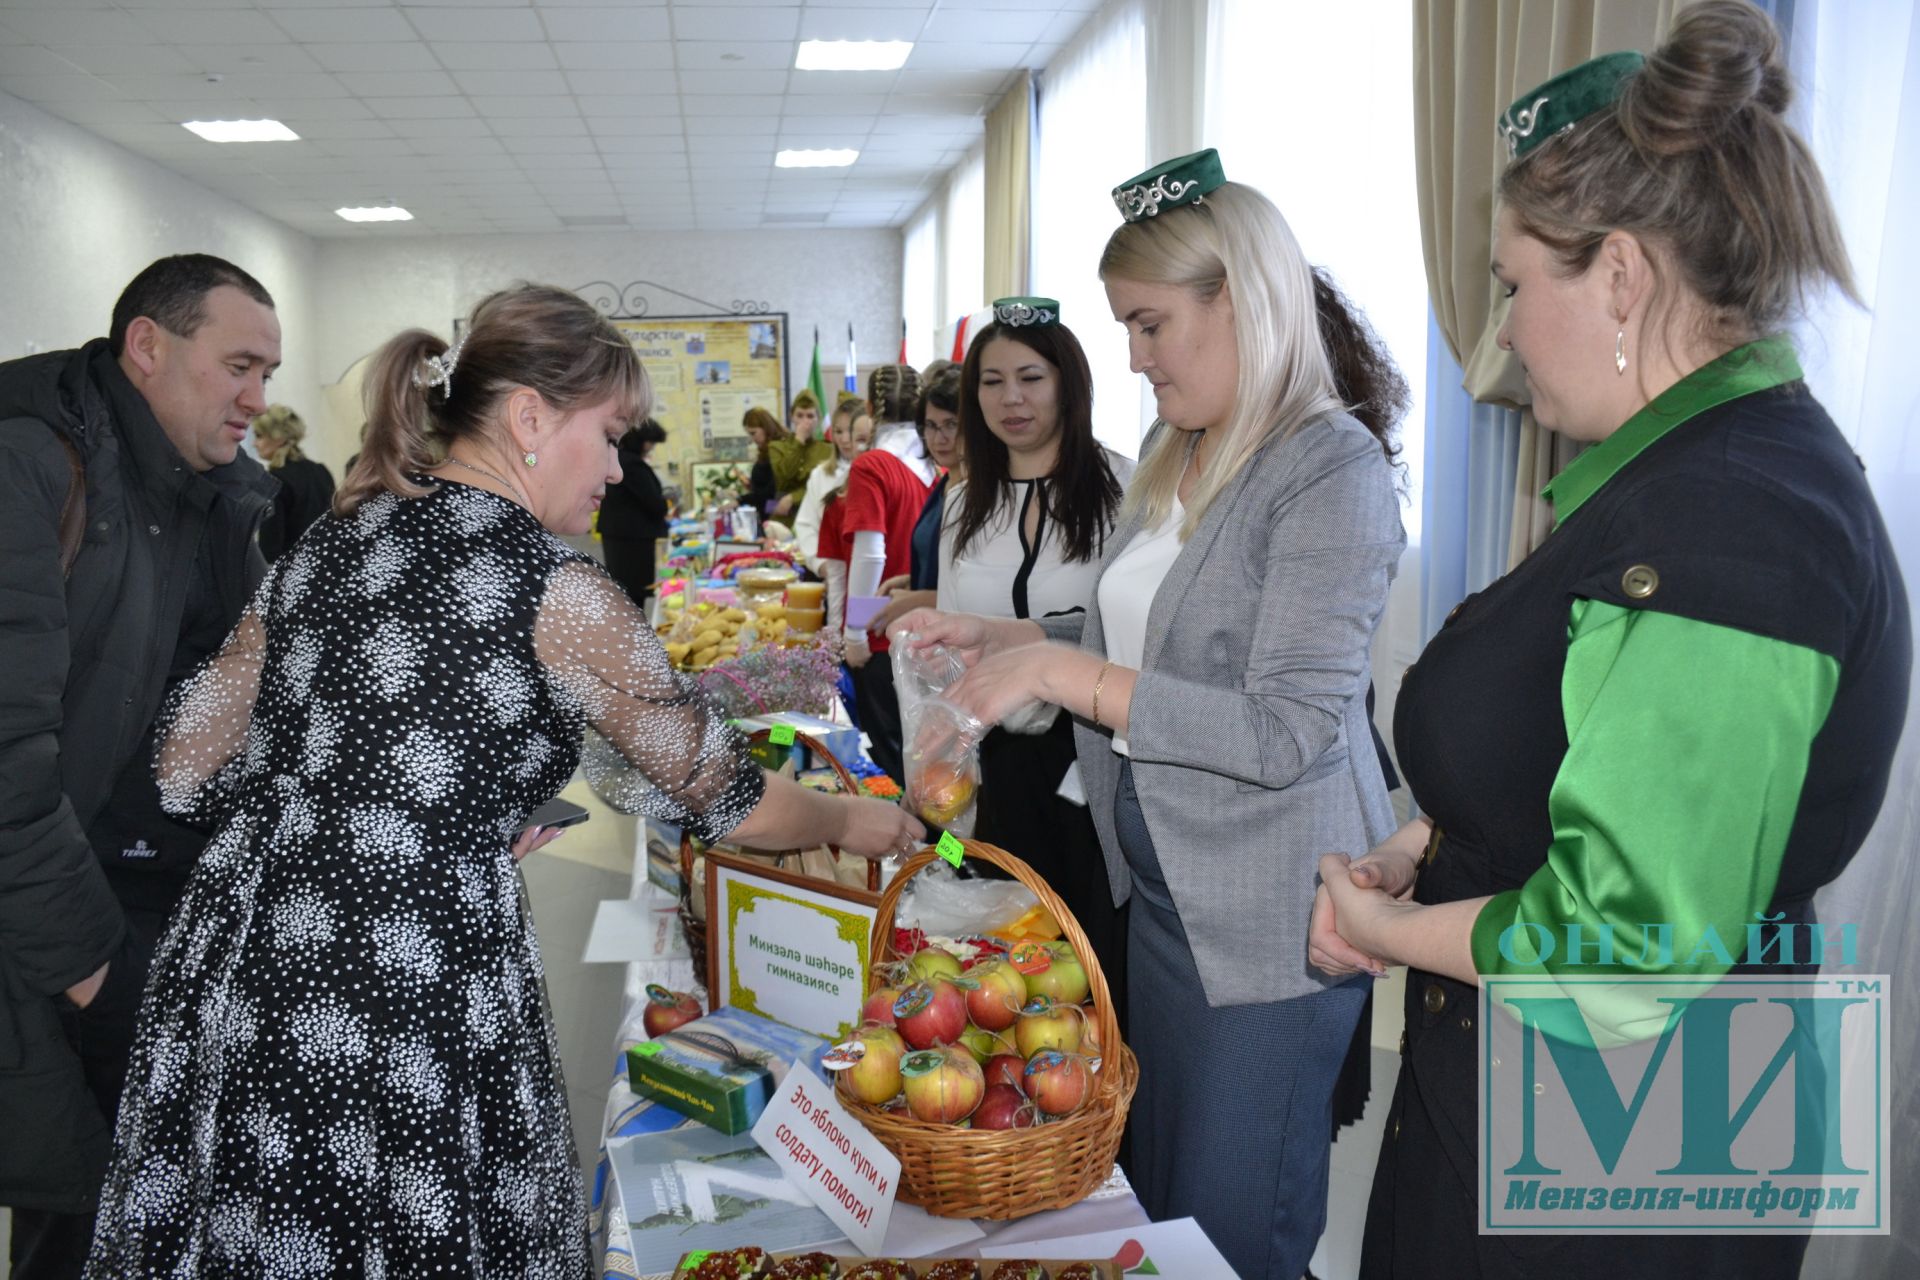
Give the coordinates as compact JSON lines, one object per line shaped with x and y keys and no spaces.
{"x":1679,"y":713}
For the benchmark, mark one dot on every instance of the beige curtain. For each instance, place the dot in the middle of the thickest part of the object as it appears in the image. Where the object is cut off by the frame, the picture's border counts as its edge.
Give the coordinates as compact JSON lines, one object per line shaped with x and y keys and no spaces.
{"x":1009,"y":192}
{"x":1470,"y":59}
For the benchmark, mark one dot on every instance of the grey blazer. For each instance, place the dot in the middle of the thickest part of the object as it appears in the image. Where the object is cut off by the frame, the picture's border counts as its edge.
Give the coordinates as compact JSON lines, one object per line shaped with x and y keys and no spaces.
{"x":1248,"y":728}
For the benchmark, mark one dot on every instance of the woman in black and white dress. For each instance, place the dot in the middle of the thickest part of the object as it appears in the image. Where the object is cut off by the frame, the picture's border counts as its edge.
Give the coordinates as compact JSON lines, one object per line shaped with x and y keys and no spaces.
{"x":344,"y":1063}
{"x":1021,"y":538}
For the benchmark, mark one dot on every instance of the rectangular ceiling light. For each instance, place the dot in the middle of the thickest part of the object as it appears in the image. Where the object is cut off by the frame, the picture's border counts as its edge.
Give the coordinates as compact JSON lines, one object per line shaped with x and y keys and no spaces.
{"x":815,"y":159}
{"x":380,"y":213}
{"x":242,"y":130}
{"x":852,"y":55}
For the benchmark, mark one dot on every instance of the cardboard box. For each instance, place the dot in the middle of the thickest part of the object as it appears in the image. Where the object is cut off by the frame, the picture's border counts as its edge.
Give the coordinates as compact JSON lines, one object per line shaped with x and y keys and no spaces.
{"x":663,"y":855}
{"x":719,"y":1069}
{"x":843,"y":740}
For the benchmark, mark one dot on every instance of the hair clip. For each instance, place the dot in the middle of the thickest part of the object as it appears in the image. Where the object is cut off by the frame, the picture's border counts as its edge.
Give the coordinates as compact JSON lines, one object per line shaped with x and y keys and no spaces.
{"x":439,"y":372}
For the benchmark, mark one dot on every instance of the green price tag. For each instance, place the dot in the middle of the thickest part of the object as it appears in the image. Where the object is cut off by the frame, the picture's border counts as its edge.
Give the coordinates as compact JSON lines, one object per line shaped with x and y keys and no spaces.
{"x":693,"y":1259}
{"x":646,"y":1050}
{"x":781,"y":735}
{"x":949,"y":848}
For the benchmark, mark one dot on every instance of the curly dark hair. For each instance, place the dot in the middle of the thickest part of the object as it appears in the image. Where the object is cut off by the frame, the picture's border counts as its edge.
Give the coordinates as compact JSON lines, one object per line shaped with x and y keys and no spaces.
{"x":1364,"y":374}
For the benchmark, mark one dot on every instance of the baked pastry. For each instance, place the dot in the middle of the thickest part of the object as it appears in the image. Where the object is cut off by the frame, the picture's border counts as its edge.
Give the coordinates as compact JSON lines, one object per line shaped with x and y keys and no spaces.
{"x":1079,"y":1271}
{"x":746,"y":1263}
{"x":1020,"y":1269}
{"x":806,"y":1266}
{"x":882,"y":1269}
{"x":954,"y":1269}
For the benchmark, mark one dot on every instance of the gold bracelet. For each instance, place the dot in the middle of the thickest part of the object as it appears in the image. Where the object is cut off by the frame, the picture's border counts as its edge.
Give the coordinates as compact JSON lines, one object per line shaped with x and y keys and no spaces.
{"x":1097,"y":686}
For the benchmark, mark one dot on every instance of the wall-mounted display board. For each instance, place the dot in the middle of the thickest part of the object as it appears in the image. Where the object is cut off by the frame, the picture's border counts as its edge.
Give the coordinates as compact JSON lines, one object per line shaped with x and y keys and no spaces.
{"x":707,"y":371}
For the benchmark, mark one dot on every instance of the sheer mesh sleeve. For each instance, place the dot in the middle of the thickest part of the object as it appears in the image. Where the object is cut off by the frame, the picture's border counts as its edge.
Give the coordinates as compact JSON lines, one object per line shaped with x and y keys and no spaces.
{"x":205,"y":737}
{"x":663,"y":748}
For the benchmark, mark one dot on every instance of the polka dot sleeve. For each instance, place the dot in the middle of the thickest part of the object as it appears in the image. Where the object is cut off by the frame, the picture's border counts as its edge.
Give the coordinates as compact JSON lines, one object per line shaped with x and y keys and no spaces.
{"x":206,"y":737}
{"x":661,"y":746}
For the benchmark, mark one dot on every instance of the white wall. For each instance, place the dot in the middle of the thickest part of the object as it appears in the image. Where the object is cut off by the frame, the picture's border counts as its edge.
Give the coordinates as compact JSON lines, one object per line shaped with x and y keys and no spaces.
{"x":79,"y":218}
{"x":370,"y":289}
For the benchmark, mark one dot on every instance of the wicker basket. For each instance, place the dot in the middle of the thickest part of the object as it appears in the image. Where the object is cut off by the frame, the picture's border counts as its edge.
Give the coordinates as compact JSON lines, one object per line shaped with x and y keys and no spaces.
{"x":979,"y":1173}
{"x":696,"y":928}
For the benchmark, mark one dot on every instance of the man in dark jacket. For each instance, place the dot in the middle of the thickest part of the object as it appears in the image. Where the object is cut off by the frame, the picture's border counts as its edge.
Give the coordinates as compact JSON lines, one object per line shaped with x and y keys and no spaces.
{"x":134,"y":441}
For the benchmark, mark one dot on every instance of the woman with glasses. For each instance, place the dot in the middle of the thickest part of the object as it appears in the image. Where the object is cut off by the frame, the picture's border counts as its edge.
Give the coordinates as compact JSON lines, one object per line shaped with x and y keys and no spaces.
{"x":940,"y":434}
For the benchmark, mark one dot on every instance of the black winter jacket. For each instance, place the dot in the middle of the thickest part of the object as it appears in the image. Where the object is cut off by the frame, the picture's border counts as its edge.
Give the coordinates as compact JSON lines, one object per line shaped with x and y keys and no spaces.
{"x":84,"y":666}
{"x":306,"y":492}
{"x":636,"y":508}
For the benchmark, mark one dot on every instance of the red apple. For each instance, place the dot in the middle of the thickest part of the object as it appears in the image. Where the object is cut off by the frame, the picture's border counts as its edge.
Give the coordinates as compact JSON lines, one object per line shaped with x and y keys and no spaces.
{"x":1045,"y":1024}
{"x":874,"y":1073}
{"x":1058,"y":1083}
{"x":1002,"y":991}
{"x":879,"y":1005}
{"x":1064,"y":978}
{"x":1006,"y":1068}
{"x":666,"y":1010}
{"x":930,"y":1013}
{"x":1003,"y":1107}
{"x":929,"y":963}
{"x":943,"y":1085}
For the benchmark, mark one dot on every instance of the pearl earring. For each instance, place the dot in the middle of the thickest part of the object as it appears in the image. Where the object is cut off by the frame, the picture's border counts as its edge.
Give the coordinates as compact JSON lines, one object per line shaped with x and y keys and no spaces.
{"x":1619,"y":364}
{"x":533,"y":458}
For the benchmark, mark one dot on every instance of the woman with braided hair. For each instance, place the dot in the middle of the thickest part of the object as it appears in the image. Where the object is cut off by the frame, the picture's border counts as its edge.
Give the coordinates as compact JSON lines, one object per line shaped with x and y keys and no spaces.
{"x":886,"y":489}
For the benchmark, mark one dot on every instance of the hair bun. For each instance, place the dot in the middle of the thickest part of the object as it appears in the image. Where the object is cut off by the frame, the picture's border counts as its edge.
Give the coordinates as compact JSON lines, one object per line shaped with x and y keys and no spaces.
{"x":1722,"y":58}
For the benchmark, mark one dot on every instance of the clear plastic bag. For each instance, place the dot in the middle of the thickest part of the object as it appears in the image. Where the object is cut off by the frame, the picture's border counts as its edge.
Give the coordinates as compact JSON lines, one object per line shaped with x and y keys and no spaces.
{"x":942,"y":905}
{"x":939,"y":741}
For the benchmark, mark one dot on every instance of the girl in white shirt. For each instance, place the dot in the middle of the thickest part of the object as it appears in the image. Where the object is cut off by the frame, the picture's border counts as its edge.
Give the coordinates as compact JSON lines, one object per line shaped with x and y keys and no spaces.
{"x":827,"y":477}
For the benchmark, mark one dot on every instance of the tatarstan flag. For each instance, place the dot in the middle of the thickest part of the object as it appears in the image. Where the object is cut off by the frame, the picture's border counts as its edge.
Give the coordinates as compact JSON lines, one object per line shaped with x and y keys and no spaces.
{"x":815,"y":383}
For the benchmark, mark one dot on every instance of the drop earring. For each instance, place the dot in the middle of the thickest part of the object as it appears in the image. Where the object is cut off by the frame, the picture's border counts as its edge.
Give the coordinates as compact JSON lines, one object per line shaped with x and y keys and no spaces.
{"x":532,"y":458}
{"x":1619,"y":364}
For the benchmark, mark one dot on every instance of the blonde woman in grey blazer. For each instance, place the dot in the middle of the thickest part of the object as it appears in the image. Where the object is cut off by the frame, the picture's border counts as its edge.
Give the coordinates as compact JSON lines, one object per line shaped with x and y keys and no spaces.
{"x":1218,"y":681}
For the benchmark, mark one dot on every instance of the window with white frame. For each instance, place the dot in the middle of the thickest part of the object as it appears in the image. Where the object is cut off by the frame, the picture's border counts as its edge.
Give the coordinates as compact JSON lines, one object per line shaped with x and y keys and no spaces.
{"x":1092,"y":136}
{"x":1313,"y":105}
{"x":964,"y":247}
{"x":920,"y":284}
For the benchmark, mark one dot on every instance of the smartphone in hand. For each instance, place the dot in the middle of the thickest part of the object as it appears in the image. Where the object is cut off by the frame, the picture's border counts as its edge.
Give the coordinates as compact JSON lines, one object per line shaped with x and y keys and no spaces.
{"x":554,"y":813}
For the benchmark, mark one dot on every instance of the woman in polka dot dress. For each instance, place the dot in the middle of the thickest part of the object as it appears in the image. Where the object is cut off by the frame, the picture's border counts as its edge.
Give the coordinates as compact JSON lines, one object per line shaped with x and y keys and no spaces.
{"x":345,"y":1064}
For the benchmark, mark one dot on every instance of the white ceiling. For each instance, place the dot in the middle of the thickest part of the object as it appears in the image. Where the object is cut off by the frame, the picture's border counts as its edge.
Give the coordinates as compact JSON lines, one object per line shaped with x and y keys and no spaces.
{"x":535,"y":115}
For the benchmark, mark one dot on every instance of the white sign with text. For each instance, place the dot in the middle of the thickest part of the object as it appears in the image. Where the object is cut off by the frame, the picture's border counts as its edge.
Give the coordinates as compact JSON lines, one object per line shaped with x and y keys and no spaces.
{"x":787,"y":948}
{"x":829,"y":1154}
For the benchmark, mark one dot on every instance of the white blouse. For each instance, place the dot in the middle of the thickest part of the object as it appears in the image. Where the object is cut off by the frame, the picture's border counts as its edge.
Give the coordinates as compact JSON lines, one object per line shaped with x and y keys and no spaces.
{"x":1002,"y":576}
{"x":821,"y":481}
{"x":1127,"y":590}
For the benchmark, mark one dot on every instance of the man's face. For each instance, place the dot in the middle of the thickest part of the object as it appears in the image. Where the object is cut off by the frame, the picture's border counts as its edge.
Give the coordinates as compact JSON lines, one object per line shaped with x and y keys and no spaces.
{"x":206,"y":389}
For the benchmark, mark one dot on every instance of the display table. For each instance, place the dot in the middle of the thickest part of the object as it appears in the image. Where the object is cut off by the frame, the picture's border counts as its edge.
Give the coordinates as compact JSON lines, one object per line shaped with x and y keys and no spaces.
{"x":1112,"y":1207}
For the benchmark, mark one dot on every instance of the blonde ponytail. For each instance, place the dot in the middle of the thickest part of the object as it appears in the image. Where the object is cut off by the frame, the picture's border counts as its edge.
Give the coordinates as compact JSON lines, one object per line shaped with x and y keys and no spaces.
{"x":401,"y":438}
